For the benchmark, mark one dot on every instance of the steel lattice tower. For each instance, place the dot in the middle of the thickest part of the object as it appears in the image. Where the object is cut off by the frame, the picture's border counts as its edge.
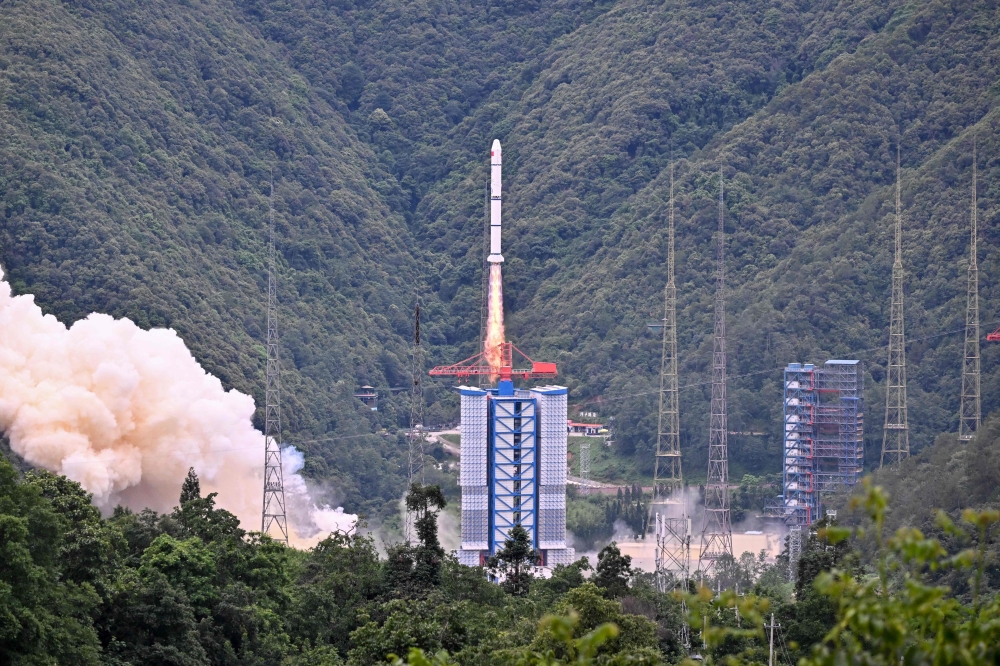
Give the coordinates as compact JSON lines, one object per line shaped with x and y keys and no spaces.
{"x":416,"y":449}
{"x":668,"y":510}
{"x":717,"y":537}
{"x":794,"y":551}
{"x":667,"y":476}
{"x":896,"y":433}
{"x":274,"y":490}
{"x":970,"y":412}
{"x":415,"y":436}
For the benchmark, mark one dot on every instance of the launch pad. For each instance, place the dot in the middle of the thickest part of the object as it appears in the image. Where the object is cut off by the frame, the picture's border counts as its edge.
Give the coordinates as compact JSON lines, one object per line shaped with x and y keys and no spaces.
{"x":513,"y":440}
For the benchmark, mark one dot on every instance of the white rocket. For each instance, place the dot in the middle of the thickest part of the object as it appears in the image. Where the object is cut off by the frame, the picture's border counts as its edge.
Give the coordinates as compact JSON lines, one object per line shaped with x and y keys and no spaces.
{"x":495,"y":162}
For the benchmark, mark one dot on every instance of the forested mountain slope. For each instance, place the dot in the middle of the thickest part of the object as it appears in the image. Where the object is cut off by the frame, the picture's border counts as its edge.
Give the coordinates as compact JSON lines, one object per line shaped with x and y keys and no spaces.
{"x":809,"y":228}
{"x":139,"y":138}
{"x":137,"y":148}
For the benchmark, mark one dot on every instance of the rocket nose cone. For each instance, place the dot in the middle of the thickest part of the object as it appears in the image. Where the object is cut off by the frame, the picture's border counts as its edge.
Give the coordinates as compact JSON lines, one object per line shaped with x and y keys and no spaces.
{"x":495,"y":150}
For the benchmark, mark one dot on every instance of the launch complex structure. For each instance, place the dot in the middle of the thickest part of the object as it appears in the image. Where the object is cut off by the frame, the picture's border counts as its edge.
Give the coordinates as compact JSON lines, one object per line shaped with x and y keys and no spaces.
{"x":513,"y":454}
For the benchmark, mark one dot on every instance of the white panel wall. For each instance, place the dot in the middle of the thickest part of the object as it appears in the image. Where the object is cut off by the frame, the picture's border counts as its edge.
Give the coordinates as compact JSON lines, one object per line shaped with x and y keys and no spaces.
{"x":474,"y":425}
{"x":552,"y":492}
{"x":560,"y":556}
{"x":472,"y":476}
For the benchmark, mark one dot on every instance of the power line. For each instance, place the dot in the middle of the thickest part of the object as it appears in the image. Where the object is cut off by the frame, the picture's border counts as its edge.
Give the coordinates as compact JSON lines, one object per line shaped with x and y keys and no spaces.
{"x":856,"y":352}
{"x":212,"y":451}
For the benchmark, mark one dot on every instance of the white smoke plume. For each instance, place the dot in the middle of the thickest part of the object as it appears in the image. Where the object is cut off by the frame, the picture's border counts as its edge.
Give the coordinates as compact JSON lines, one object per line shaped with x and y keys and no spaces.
{"x":311,"y":519}
{"x":125,"y":412}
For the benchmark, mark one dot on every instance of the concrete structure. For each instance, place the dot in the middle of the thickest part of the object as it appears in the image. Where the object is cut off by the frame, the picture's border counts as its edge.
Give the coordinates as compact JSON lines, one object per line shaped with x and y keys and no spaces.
{"x":823,"y":435}
{"x":513,"y":470}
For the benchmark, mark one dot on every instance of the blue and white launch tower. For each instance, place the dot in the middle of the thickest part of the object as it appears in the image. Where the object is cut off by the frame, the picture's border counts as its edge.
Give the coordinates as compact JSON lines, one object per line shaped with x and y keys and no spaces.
{"x":513,"y":470}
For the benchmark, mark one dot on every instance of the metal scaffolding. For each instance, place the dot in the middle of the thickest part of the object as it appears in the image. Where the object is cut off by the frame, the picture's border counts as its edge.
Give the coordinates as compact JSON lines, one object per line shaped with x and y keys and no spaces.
{"x":970,"y":411}
{"x":896,"y":432}
{"x":584,"y":465}
{"x":823,"y":435}
{"x":798,"y":470}
{"x":667,"y":477}
{"x":839,"y":431}
{"x":794,"y":551}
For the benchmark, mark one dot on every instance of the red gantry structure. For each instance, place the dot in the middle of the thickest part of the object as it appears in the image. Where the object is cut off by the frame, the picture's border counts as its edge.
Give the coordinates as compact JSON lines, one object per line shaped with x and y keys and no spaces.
{"x":478,"y":365}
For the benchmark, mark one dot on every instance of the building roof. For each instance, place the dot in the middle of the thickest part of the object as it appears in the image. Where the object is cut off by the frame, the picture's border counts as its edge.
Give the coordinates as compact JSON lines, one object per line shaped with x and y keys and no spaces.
{"x":550,"y":390}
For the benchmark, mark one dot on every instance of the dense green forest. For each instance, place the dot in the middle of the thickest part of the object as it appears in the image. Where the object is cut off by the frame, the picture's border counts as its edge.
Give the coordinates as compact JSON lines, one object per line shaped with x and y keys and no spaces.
{"x":192,"y":587}
{"x":140,"y":139}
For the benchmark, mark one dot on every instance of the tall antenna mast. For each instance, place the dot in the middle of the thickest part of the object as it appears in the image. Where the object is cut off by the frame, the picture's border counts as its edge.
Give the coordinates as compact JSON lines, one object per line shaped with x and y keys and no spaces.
{"x":896,"y":433}
{"x":416,"y":474}
{"x":274,"y":489}
{"x":668,"y":510}
{"x":970,"y":412}
{"x":415,"y":437}
{"x":717,"y":537}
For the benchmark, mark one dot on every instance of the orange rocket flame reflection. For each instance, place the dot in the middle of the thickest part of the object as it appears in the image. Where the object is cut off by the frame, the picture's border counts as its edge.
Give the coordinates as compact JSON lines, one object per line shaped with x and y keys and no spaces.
{"x":494,"y":321}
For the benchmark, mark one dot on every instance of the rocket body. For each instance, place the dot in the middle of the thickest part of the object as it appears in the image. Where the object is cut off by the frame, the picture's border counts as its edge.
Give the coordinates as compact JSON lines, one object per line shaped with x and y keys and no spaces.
{"x":495,"y":164}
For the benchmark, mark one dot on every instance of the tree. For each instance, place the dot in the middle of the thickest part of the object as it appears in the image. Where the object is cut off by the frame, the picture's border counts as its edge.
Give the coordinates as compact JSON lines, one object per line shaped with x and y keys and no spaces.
{"x":895,"y":616}
{"x":426,"y":502}
{"x":591,"y":609}
{"x":614,"y":571}
{"x":198,"y":516}
{"x":191,"y":488}
{"x":340,"y":575}
{"x":90,"y":548}
{"x":564,"y":578}
{"x":43,"y":618}
{"x":511,"y":565}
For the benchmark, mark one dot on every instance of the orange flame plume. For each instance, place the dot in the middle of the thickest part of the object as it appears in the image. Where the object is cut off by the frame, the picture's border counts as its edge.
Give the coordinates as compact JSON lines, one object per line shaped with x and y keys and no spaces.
{"x":494,"y":321}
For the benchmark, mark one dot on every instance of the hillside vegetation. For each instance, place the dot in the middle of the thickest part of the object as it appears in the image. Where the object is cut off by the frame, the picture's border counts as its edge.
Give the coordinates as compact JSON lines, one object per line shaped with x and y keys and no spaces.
{"x":141,"y":137}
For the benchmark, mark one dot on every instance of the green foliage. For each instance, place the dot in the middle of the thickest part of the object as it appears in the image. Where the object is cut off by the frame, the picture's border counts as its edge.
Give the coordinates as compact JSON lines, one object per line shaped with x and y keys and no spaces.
{"x":593,"y":610}
{"x":43,"y":619}
{"x":628,"y":507}
{"x":512,"y":564}
{"x":341,"y":576}
{"x":587,"y":517}
{"x":614,"y":571}
{"x":76,"y":588}
{"x":753,"y":493}
{"x":139,"y":141}
{"x":896,"y":615}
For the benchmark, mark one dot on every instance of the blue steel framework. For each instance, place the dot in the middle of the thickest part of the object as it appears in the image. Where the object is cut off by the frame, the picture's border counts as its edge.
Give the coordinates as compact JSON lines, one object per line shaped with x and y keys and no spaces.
{"x":823,"y":435}
{"x":800,"y":413}
{"x":839,"y":437}
{"x":513,"y":470}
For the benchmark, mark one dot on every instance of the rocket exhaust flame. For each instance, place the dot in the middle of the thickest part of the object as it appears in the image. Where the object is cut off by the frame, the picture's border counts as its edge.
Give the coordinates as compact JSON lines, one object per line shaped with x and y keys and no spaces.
{"x":494,"y":321}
